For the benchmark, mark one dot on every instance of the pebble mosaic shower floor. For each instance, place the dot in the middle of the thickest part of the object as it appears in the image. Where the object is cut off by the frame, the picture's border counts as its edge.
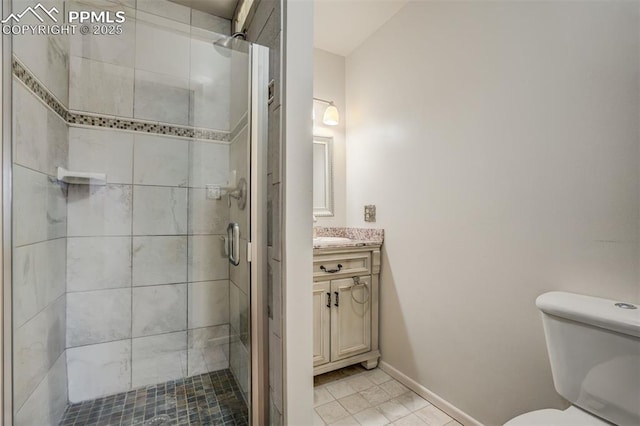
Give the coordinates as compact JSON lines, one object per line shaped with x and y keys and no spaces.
{"x":209,"y":399}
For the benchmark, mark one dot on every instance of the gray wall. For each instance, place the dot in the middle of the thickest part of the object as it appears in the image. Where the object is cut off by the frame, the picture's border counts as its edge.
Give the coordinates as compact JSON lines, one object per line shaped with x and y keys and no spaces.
{"x":500,"y":144}
{"x":328,"y":84}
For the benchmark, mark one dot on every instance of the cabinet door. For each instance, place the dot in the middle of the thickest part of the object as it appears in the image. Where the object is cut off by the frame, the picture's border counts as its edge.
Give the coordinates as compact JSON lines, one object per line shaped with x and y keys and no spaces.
{"x":321,"y":322}
{"x":351,"y":317}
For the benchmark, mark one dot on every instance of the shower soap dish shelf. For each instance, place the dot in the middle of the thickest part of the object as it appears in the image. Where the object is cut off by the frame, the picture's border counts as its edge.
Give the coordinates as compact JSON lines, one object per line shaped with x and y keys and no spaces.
{"x":81,"y":178}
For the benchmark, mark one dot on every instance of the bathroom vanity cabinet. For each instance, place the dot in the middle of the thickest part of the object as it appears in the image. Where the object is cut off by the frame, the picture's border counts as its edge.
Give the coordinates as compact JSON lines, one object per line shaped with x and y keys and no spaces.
{"x":345,"y":307}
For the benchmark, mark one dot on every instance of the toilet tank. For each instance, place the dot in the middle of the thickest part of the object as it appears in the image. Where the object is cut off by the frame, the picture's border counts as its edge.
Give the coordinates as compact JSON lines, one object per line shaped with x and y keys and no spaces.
{"x":594,"y":351}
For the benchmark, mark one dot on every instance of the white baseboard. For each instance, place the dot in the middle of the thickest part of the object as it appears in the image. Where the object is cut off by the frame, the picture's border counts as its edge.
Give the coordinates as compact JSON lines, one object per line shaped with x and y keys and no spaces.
{"x":434,"y":399}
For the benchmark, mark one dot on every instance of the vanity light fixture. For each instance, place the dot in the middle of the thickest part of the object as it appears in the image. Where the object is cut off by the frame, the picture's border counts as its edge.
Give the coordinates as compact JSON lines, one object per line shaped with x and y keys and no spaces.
{"x":331,"y":116}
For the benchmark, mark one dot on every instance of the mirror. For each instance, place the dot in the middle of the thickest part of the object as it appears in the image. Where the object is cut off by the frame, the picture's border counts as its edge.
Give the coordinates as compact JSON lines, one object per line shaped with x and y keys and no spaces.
{"x":322,"y":176}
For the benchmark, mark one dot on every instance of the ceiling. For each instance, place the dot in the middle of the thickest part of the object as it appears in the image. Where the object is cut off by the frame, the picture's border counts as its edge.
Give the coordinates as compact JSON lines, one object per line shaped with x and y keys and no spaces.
{"x":222,"y":8}
{"x":340,"y":26}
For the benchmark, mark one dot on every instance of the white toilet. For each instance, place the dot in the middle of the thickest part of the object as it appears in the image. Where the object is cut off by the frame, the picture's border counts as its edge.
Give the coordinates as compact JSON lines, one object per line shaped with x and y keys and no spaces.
{"x":594,"y":350}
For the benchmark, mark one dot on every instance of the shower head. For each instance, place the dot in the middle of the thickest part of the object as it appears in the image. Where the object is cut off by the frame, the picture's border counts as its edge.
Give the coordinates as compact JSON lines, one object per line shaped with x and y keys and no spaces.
{"x":224,"y":45}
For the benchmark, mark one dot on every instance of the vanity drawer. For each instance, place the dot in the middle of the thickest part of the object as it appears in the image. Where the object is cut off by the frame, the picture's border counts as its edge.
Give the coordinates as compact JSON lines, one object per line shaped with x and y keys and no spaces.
{"x":350,"y":264}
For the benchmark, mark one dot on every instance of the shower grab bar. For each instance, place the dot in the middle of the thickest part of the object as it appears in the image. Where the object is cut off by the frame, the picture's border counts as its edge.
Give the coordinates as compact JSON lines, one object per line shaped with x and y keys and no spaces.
{"x":233,"y":242}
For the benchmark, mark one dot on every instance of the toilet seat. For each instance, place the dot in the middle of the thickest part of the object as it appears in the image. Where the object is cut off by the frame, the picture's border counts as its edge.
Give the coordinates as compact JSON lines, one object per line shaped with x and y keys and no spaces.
{"x":572,"y":416}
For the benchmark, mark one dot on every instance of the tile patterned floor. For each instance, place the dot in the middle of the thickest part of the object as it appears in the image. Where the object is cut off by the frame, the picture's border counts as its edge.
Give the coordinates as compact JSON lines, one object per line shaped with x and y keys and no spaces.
{"x":208,"y":399}
{"x":355,"y":396}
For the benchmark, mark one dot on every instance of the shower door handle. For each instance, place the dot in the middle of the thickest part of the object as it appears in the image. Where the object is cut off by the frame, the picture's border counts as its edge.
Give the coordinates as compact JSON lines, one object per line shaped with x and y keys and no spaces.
{"x":233,"y":241}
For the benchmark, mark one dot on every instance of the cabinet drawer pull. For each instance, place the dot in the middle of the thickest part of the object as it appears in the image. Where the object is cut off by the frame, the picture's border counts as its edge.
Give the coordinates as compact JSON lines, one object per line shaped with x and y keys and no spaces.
{"x":331,"y":271}
{"x":337,"y":298}
{"x":328,"y":299}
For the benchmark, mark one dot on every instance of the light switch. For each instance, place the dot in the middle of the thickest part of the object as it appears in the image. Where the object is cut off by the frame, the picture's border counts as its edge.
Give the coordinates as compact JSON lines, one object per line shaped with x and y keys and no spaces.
{"x":370,"y":213}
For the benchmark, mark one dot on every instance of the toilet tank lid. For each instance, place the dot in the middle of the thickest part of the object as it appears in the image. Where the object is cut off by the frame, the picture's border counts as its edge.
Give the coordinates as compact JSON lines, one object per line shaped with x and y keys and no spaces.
{"x":590,"y":310}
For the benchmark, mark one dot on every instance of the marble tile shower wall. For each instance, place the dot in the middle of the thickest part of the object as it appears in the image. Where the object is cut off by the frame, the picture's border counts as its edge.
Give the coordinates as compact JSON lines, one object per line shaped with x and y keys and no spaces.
{"x":40,"y":144}
{"x":162,"y":68}
{"x":39,"y":259}
{"x":148,"y":281}
{"x":147,"y":278}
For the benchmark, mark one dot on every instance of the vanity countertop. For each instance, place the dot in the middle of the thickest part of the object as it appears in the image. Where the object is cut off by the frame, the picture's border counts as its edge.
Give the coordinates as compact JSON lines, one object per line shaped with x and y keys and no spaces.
{"x":319,"y":245}
{"x":332,"y":238}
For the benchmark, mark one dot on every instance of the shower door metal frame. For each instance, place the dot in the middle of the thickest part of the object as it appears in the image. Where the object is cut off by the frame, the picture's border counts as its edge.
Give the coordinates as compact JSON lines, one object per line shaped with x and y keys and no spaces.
{"x":6,"y":391}
{"x":258,"y":121}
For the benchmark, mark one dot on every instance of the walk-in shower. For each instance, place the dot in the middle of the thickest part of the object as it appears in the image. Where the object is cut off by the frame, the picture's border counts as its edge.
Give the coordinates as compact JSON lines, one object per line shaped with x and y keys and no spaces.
{"x":129,"y":151}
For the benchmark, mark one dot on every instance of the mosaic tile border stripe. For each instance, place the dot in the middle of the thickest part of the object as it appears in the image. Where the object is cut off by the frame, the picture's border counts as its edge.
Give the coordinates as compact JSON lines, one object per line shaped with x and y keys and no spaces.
{"x":39,"y":90}
{"x":32,"y":83}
